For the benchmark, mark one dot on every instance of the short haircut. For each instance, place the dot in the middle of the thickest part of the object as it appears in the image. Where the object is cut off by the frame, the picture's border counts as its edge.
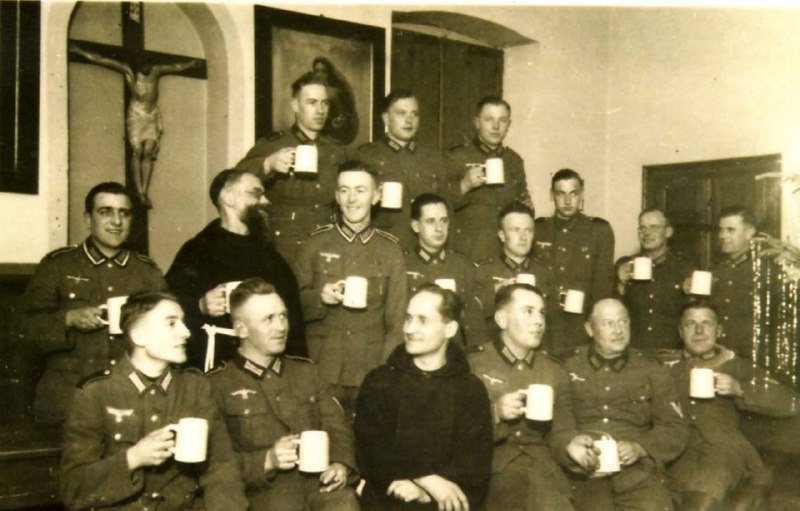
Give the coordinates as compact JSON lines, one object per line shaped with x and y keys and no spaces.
{"x":590,"y":314}
{"x":221,"y":180}
{"x":395,"y":96}
{"x":111,"y":187}
{"x":656,"y":210}
{"x":491,"y":100}
{"x":138,"y":305}
{"x":305,"y":79}
{"x":505,"y":294}
{"x":742,"y":212}
{"x":248,"y":288}
{"x":450,"y":307}
{"x":564,"y":175}
{"x":700,"y":303}
{"x":358,"y":166}
{"x":514,"y":207}
{"x":426,"y":199}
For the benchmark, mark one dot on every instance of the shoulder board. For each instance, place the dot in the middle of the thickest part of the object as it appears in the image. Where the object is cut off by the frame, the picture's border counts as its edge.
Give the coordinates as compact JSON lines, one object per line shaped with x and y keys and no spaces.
{"x":60,"y":251}
{"x":472,"y":349}
{"x":299,"y":358}
{"x":645,"y":355}
{"x":98,"y":376}
{"x":542,"y":219}
{"x":551,"y":358}
{"x":389,"y":236}
{"x":143,"y":258}
{"x":321,"y":229}
{"x":217,"y":369}
{"x":597,"y":220}
{"x":188,"y":370}
{"x":329,"y":139}
{"x":457,"y":146}
{"x":275,"y":135}
{"x":365,"y":145}
{"x":483,"y":262}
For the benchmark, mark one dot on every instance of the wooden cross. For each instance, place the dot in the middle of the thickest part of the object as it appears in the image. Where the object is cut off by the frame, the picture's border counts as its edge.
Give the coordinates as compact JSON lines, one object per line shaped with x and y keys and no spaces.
{"x":133,"y":46}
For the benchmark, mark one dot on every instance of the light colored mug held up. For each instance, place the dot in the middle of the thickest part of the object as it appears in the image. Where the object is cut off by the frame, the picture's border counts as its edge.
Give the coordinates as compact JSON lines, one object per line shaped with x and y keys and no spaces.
{"x":495,"y":172}
{"x":355,"y":292}
{"x":526,"y":278}
{"x":191,"y":439}
{"x":571,"y":301}
{"x":305,"y":159}
{"x":701,"y":283}
{"x":701,"y":383}
{"x":642,"y":268}
{"x":446,"y":284}
{"x":609,"y":456}
{"x":314,"y":451}
{"x":539,"y":402}
{"x":113,"y":308}
{"x":392,"y":195}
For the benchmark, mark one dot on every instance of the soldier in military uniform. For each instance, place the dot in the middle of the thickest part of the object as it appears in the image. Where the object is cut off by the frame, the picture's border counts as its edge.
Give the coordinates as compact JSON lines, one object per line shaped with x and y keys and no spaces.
{"x":718,"y":458}
{"x":732,"y":287}
{"x":301,"y":202}
{"x":345,"y":342}
{"x":477,"y":205}
{"x":621,"y":393}
{"x":118,"y":440}
{"x":430,"y":261}
{"x":268,"y":399}
{"x":655,"y":305}
{"x":579,"y":249}
{"x":398,"y":157}
{"x":60,"y":309}
{"x":516,"y":236}
{"x":525,"y":475}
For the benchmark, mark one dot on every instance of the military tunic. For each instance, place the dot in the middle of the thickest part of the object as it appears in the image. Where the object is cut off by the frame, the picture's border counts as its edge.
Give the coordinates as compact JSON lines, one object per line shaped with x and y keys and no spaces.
{"x":67,"y":279}
{"x":525,"y":475}
{"x":111,"y":412}
{"x":425,"y":268}
{"x":347,"y":343}
{"x":421,"y":169}
{"x":718,"y":456}
{"x":501,"y":270}
{"x":630,"y":398}
{"x":581,"y":253}
{"x":300,"y":202}
{"x":475,"y":222}
{"x":655,"y":305}
{"x":263,"y":404}
{"x":732,"y":293}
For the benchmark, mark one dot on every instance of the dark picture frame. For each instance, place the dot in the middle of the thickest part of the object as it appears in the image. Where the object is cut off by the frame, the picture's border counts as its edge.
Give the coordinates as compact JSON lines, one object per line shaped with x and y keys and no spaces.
{"x":281,"y":36}
{"x":20,"y":27}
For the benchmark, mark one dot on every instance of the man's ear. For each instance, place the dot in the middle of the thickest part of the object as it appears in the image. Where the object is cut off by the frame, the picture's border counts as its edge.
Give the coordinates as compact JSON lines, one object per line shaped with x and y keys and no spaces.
{"x":415,"y":226}
{"x":241,"y":330}
{"x":501,"y":318}
{"x":451,"y":329}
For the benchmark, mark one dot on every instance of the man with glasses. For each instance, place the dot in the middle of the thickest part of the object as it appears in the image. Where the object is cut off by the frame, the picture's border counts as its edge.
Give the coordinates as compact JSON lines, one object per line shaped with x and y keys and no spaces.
{"x":655,"y":304}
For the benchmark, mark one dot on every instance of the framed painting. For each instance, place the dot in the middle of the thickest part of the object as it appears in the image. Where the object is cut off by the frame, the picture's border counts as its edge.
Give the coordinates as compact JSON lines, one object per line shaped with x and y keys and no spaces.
{"x":349,"y":57}
{"x":19,"y":96}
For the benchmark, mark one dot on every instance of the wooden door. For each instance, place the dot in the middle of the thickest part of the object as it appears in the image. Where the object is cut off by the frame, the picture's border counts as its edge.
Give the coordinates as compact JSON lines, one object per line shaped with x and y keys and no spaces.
{"x":692,"y":195}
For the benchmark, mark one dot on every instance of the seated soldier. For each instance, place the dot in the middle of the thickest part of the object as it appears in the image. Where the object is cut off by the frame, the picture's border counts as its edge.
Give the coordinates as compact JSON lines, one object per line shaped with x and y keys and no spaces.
{"x":525,"y":475}
{"x":118,"y":438}
{"x":269,"y":398}
{"x":625,"y":396}
{"x":718,"y":460}
{"x":423,"y":422}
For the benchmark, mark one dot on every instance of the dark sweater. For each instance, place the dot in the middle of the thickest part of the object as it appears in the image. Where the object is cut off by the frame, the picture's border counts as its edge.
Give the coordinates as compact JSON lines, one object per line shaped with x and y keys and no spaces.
{"x":216,"y":256}
{"x":411,"y":423}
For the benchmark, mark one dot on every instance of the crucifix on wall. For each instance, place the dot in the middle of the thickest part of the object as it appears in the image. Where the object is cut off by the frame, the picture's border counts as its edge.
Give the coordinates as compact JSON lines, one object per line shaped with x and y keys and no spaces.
{"x":142,"y":71}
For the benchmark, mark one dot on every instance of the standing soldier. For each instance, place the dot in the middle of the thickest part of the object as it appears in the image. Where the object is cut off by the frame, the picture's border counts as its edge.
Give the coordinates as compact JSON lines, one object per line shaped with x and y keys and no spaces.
{"x":655,"y":304}
{"x":478,"y":203}
{"x":579,"y":249}
{"x":61,"y":311}
{"x":345,"y":341}
{"x":301,"y":202}
{"x":398,"y":157}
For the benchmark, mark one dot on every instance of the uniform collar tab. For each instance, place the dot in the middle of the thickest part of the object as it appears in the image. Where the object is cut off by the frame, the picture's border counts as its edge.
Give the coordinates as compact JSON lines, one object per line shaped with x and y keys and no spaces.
{"x":488,"y":150}
{"x":428,"y":256}
{"x":397,"y":146}
{"x":97,"y":258}
{"x":300,"y":135}
{"x":349,"y":234}
{"x":509,"y":358}
{"x":515,"y":266}
{"x":598,"y":362}
{"x":257,"y":370}
{"x":142,"y":383}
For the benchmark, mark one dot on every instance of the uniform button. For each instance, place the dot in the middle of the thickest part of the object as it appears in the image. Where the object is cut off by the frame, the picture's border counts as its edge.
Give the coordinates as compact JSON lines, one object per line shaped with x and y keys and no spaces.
{"x":650,"y":311}
{"x":607,"y":388}
{"x":562,"y":268}
{"x":154,"y":495}
{"x":605,"y":420}
{"x":277,"y":233}
{"x":694,"y":418}
{"x":606,"y":368}
{"x":730,"y":282}
{"x":72,"y":295}
{"x":268,"y":376}
{"x":726,"y":318}
{"x":563,"y":230}
{"x":519,"y":367}
{"x":316,"y":206}
{"x":117,"y":436}
{"x":110,"y":288}
{"x":605,"y":407}
{"x":110,"y":265}
{"x":692,"y":401}
{"x":154,"y":418}
{"x":317,"y":185}
{"x":152,"y":392}
{"x":727,"y":300}
{"x":651,"y":295}
{"x":278,"y":398}
{"x":247,"y":411}
{"x":113,"y":362}
{"x":107,"y":371}
{"x":518,"y":433}
{"x":348,"y":332}
{"x":649,"y":329}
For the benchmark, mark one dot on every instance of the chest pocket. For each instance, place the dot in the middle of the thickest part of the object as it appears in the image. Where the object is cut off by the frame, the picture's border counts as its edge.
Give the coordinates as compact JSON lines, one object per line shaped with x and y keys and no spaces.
{"x":328,"y":267}
{"x":251,"y":422}
{"x":122,"y":434}
{"x":301,"y":409}
{"x":639,"y":398}
{"x":77,"y":290}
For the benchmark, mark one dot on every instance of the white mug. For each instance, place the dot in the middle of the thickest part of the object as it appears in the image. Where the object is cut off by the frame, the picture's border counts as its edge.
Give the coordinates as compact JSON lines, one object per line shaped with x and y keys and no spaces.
{"x":229,"y":287}
{"x":113,"y":308}
{"x":305,"y":159}
{"x":572,"y":301}
{"x":609,"y":456}
{"x":701,"y":283}
{"x":495,"y":173}
{"x":701,"y":383}
{"x":314,"y":451}
{"x":539,"y":402}
{"x":642,"y":268}
{"x":191,"y":439}
{"x":355,"y":292}
{"x":446,"y":284}
{"x":392,"y":195}
{"x":526,"y":278}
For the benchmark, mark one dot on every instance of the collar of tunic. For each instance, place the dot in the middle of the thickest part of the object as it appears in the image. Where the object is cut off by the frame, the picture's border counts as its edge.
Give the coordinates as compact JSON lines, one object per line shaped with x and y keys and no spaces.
{"x":302,"y":137}
{"x":257,"y":370}
{"x":486,"y":149}
{"x":142,"y":382}
{"x":736,"y":261}
{"x":97,"y":258}
{"x":568,"y":224}
{"x":514,"y":266}
{"x":509,"y":357}
{"x":349,"y":234}
{"x":396,"y":146}
{"x":428,"y":257}
{"x":598,"y":362}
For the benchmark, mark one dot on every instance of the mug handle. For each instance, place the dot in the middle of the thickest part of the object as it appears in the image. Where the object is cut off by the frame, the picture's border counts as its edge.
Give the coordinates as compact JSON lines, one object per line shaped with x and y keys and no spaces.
{"x":562,"y":298}
{"x":103,"y":307}
{"x":175,"y":428}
